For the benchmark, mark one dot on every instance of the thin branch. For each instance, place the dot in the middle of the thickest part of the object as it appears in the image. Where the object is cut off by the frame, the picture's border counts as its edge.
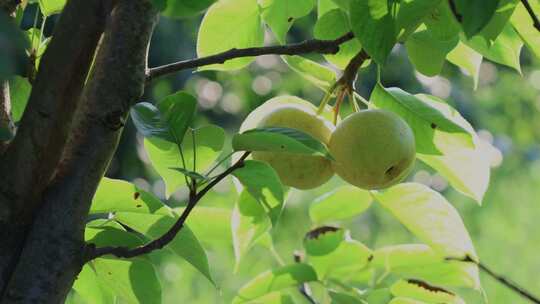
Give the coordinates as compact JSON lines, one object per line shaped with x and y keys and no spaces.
{"x":308,"y":46}
{"x":304,"y":287}
{"x":454,"y":10}
{"x":536,"y":22}
{"x":501,"y":279}
{"x":167,"y":237}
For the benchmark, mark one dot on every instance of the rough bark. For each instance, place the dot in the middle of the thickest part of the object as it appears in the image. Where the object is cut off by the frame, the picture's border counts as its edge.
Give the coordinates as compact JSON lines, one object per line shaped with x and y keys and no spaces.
{"x":6,"y":125}
{"x":28,"y":164}
{"x":54,"y":251}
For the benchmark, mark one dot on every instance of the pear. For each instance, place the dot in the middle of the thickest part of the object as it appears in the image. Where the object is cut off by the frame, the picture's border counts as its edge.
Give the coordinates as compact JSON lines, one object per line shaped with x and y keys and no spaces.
{"x":373,"y":149}
{"x":295,"y":170}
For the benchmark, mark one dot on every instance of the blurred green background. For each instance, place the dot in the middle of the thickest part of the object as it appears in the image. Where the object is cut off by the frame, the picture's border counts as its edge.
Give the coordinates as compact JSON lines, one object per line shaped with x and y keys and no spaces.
{"x":504,"y":109}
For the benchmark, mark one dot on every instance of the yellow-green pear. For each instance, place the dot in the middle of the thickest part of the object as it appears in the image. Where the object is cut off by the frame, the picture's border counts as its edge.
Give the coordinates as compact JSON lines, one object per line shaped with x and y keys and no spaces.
{"x":373,"y":149}
{"x":295,"y":170}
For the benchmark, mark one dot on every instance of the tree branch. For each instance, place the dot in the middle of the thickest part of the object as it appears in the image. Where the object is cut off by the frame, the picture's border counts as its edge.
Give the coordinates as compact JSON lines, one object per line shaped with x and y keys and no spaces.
{"x":53,"y":252}
{"x":501,"y":279}
{"x":308,"y":46}
{"x":8,"y":6}
{"x":6,"y":124}
{"x":167,"y":237}
{"x":30,"y":160}
{"x":536,"y":22}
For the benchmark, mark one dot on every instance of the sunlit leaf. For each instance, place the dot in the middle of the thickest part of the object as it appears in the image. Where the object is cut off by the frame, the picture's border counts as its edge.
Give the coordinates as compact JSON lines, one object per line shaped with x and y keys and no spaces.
{"x":278,"y":139}
{"x":341,"y":203}
{"x":332,"y":25}
{"x":165,"y":155}
{"x":505,"y":49}
{"x":230,"y":24}
{"x":421,"y":45}
{"x":467,"y":59}
{"x":428,"y":215}
{"x":88,"y":288}
{"x":184,"y":244}
{"x":263,"y":183}
{"x":20,"y":90}
{"x":113,"y":195}
{"x":134,"y":280}
{"x":323,"y":240}
{"x":281,"y":14}
{"x":321,"y":76}
{"x":249,"y":222}
{"x":523,"y":25}
{"x":431,"y":127}
{"x":423,"y":291}
{"x":50,"y":7}
{"x":274,"y":280}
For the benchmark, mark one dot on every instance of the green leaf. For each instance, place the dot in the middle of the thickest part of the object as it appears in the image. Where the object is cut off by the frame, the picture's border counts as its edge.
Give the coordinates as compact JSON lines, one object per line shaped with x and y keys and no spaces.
{"x":344,"y":298}
{"x":432,"y":128}
{"x":230,"y":24}
{"x":281,"y":14}
{"x":421,"y":262}
{"x":110,"y":233}
{"x":219,"y":231}
{"x":465,"y":168}
{"x":401,"y":300}
{"x":321,"y":76}
{"x":184,"y":244}
{"x":324,"y":6}
{"x":280,"y":139}
{"x":422,"y":45}
{"x":502,"y":15}
{"x":275,"y":280}
{"x":113,"y":195}
{"x":341,"y":203}
{"x":374,"y":25}
{"x":504,"y":50}
{"x":50,"y":7}
{"x":475,"y":14}
{"x":88,"y":288}
{"x":332,"y":25}
{"x":13,"y":57}
{"x":169,"y":120}
{"x":249,"y":222}
{"x":441,"y":22}
{"x":379,"y":296}
{"x":323,"y":240}
{"x":20,"y":90}
{"x":423,"y":291}
{"x":273,"y":298}
{"x":428,"y":215}
{"x":411,"y":14}
{"x":345,"y":263}
{"x":522,"y":23}
{"x":185,"y":8}
{"x":467,"y":59}
{"x":165,"y":155}
{"x":263,"y":183}
{"x":134,"y":280}
{"x":191,"y":174}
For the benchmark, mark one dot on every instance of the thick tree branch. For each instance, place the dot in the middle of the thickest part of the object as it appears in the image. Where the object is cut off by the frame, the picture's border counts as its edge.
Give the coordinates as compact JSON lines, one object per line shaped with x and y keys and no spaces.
{"x":30,"y":160}
{"x":6,"y":124}
{"x":501,"y":279}
{"x":8,"y":6}
{"x":536,"y":22}
{"x":54,"y":250}
{"x":308,"y":46}
{"x":167,"y":237}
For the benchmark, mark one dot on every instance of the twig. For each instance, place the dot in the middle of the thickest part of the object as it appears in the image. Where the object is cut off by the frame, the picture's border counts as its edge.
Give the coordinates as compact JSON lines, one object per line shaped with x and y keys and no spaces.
{"x":454,"y":10}
{"x":304,"y":287}
{"x":501,"y":279}
{"x":167,"y":237}
{"x":308,"y":46}
{"x":536,"y":22}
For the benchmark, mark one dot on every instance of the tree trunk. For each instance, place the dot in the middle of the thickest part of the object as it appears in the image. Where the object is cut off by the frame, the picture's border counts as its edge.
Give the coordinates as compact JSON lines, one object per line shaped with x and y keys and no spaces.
{"x":40,"y":259}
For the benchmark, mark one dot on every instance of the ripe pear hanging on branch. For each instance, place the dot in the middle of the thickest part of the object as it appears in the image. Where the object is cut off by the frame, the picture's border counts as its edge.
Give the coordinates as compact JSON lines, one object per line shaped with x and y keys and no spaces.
{"x":295,"y":170}
{"x":373,"y":149}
